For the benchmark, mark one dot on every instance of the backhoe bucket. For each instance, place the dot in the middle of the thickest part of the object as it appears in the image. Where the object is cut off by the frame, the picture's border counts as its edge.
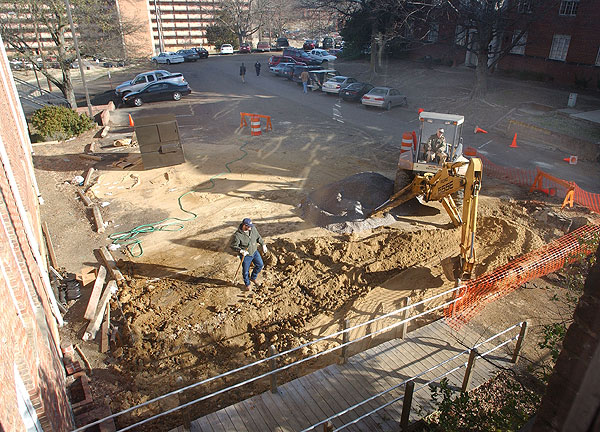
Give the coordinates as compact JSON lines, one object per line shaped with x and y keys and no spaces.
{"x":451,"y":267}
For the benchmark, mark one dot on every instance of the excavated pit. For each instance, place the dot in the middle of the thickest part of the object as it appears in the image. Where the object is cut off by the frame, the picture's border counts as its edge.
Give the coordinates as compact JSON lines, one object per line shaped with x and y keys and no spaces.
{"x":343,"y":206}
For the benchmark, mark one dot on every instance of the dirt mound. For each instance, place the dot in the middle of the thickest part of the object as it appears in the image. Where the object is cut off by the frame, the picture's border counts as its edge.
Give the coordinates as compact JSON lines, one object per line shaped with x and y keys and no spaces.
{"x":343,"y":206}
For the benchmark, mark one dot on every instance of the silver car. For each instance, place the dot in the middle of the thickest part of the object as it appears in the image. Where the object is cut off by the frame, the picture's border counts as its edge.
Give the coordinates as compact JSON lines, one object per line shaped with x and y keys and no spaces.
{"x":336,"y":83}
{"x":384,"y":97}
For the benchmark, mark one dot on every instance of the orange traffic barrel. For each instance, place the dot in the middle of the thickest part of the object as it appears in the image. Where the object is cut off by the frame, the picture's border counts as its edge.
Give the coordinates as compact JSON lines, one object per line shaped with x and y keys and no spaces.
{"x":255,"y":126}
{"x":407,"y":142}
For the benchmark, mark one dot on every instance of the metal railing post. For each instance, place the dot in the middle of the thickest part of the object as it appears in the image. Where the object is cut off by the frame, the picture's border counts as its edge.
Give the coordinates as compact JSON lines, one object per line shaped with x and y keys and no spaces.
{"x":405,"y":315}
{"x":273,"y":352}
{"x":519,"y":345}
{"x":406,"y":405}
{"x":345,"y":340}
{"x":467,"y":377}
{"x":328,"y":427}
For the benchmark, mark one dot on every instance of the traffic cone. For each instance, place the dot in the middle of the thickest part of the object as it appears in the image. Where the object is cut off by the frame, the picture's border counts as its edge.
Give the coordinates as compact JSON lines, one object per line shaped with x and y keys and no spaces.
{"x":421,"y":110}
{"x":514,"y":142}
{"x":478,"y":129}
{"x":571,"y":159}
{"x":131,"y":121}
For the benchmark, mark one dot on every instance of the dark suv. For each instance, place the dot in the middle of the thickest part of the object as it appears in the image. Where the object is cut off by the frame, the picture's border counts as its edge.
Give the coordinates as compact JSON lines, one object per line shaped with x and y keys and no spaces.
{"x":282,"y":43}
{"x":301,"y":56}
{"x":309,"y":44}
{"x":328,"y":43}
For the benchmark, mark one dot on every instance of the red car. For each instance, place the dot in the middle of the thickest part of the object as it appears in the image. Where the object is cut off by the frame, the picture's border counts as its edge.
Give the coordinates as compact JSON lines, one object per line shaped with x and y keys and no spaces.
{"x":245,"y":48}
{"x":309,"y":45}
{"x":263,"y":46}
{"x":275,"y":60}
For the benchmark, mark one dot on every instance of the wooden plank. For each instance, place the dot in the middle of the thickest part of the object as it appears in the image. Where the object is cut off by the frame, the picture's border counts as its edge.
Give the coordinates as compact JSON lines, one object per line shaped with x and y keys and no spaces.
{"x":226,"y":421}
{"x":104,"y":332}
{"x":203,"y":424}
{"x":287,"y":391}
{"x":254,"y":414}
{"x":279,"y":412}
{"x":246,"y":417}
{"x":215,"y":423}
{"x":92,"y":305}
{"x":89,"y":156}
{"x":86,"y":200}
{"x":236,"y":420}
{"x":94,"y":325}
{"x":312,"y":398}
{"x":342,"y":386}
{"x":317,"y":388}
{"x":49,"y":245}
{"x":98,"y":219}
{"x":361,"y":386}
{"x":88,"y":177}
{"x":111,"y":265}
{"x":258,"y":405}
{"x":295,"y":413}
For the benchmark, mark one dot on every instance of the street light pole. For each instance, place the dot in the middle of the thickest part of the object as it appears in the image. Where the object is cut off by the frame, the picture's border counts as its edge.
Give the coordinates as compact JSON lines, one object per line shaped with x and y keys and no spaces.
{"x":74,"y":35}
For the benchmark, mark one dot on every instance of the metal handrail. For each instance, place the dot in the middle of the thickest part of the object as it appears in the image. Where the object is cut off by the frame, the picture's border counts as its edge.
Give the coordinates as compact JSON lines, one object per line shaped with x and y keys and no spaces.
{"x":394,"y":387}
{"x":275,"y":356}
{"x":52,"y":98}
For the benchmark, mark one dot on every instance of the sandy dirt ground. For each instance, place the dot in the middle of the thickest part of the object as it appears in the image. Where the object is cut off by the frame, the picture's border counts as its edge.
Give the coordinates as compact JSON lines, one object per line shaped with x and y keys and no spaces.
{"x":181,"y":314}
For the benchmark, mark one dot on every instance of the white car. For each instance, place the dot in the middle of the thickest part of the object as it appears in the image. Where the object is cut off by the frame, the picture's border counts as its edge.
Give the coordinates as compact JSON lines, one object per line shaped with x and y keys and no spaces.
{"x":322,"y":55}
{"x":168,"y":58}
{"x":226,"y":49}
{"x":384,"y":97}
{"x":335,"y":84}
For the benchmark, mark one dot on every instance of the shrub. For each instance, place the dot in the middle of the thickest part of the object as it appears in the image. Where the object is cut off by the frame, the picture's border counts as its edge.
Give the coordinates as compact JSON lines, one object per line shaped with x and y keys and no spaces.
{"x":59,"y":123}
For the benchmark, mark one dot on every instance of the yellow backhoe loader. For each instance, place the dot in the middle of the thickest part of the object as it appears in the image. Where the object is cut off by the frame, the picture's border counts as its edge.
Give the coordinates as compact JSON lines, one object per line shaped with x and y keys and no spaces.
{"x":449,"y":179}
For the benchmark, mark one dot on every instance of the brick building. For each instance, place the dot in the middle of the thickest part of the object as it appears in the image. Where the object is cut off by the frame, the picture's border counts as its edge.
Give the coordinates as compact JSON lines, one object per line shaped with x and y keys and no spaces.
{"x":32,"y":393}
{"x":563,"y":45}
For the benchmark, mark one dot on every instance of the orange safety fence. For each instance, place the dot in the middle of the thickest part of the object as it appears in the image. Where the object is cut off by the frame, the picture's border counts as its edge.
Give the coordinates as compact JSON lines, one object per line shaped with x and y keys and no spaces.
{"x":541,"y":181}
{"x":476,"y":293}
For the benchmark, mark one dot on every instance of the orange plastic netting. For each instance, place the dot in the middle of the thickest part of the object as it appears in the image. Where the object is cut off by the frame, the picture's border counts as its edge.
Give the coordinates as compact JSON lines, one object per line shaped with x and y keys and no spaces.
{"x":476,"y":293}
{"x":541,"y":181}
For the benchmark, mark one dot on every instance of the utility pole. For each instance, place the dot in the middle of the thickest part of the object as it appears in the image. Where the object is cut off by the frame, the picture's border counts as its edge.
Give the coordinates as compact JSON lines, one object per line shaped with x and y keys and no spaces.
{"x":74,"y":34}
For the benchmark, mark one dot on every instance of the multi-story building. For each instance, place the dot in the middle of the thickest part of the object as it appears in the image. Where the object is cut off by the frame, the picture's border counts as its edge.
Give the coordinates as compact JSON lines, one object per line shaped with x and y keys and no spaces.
{"x":562,"y":45}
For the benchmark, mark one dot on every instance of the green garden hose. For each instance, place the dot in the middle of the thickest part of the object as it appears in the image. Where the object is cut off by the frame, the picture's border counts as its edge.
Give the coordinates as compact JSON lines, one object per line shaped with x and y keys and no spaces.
{"x":130,"y":238}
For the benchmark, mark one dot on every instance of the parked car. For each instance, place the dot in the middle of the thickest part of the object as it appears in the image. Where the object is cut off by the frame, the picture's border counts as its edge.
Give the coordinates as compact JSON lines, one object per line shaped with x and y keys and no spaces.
{"x":263,"y":46}
{"x":299,"y":69}
{"x":226,"y":49}
{"x":202,"y":52}
{"x":189,"y":55}
{"x":245,"y":48}
{"x":318,"y":77}
{"x":141,"y":80}
{"x":322,"y":54}
{"x":355,"y":91}
{"x":309,"y":44}
{"x":338,"y":43}
{"x":287,"y":71}
{"x":281,"y":43}
{"x":384,"y":97}
{"x":156,"y":92}
{"x":278,"y":69}
{"x":335,"y":84}
{"x":275,"y":60}
{"x":167,"y":58}
{"x":327,"y":43}
{"x":301,"y":56}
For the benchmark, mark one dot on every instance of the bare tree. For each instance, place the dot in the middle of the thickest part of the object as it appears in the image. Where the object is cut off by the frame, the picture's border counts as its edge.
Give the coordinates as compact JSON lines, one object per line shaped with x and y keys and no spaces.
{"x":490,"y":29}
{"x":240,"y":16}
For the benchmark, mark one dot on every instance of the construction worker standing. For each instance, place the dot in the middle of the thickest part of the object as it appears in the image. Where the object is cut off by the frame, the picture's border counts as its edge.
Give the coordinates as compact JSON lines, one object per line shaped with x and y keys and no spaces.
{"x":245,"y":242}
{"x":243,"y":73}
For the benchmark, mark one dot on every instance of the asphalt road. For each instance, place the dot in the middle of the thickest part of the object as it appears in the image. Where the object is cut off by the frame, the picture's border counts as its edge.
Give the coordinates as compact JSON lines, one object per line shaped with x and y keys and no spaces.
{"x":216,"y":83}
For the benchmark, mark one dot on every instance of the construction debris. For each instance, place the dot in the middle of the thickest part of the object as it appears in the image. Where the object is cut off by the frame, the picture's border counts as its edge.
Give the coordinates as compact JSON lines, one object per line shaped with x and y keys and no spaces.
{"x":88,"y":177}
{"x":104,"y":336}
{"x":86,"y":200}
{"x":111,"y":265}
{"x":49,"y":245}
{"x":89,"y":156}
{"x":95,"y":296}
{"x":98,"y":219}
{"x":94,"y":325}
{"x":123,"y":142}
{"x":83,"y":358}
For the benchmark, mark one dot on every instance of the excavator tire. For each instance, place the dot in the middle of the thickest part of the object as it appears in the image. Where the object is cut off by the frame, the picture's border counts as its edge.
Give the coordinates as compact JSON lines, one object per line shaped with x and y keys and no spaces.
{"x":403,"y":179}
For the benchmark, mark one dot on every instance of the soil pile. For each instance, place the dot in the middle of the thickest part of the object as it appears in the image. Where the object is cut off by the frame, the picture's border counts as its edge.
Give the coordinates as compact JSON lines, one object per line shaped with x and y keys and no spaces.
{"x":343,"y":206}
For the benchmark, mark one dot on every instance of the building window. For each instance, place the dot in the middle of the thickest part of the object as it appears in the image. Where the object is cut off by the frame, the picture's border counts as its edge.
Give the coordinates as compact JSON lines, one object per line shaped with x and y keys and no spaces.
{"x":598,"y":58}
{"x":560,"y":46}
{"x":525,"y":6}
{"x":432,"y":35}
{"x":568,"y":7}
{"x":460,"y":36}
{"x":519,"y":47}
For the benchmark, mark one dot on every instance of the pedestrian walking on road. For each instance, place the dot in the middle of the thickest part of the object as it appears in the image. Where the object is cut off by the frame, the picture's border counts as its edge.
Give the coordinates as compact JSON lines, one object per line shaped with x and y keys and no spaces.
{"x":243,"y":73}
{"x":245,"y":242}
{"x":304,"y":78}
{"x":257,"y":66}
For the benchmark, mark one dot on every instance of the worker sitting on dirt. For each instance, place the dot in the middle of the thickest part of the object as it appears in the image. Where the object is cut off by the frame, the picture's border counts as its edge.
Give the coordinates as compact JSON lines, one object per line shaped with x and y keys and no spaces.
{"x":436,"y":146}
{"x":245,"y":242}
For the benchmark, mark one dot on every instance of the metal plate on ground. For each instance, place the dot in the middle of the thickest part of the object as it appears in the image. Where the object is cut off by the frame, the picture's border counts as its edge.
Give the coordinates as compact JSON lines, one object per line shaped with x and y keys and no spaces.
{"x":159,"y":141}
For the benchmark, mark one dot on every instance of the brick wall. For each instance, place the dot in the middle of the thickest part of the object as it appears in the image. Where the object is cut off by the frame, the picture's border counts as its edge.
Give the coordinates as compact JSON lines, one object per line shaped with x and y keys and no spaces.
{"x":572,"y":399}
{"x":29,"y":338}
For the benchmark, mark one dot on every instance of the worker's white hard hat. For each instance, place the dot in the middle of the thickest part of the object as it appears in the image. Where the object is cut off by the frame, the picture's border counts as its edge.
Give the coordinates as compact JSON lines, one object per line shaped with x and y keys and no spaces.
{"x":441,"y":130}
